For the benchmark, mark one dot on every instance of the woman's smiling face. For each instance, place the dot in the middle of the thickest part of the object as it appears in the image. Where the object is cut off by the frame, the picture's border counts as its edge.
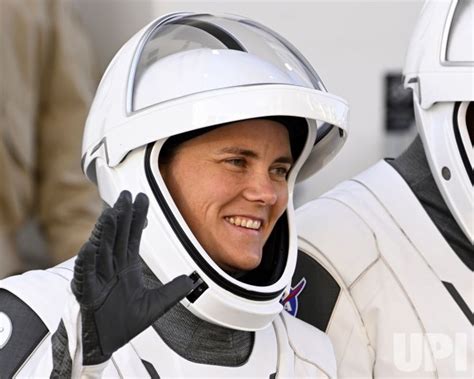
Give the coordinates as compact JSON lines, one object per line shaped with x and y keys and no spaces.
{"x":230,"y":186}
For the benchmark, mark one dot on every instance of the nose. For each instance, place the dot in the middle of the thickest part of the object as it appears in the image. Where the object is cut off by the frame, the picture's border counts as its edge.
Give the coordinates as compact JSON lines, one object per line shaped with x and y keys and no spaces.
{"x":261,"y":188}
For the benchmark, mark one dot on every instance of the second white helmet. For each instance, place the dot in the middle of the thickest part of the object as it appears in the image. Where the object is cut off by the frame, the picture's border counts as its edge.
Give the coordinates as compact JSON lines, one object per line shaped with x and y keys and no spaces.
{"x":440,"y":70}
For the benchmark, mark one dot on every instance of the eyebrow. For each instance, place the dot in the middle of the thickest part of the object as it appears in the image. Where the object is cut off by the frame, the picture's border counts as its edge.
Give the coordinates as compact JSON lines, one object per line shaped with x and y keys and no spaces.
{"x":252,"y":154}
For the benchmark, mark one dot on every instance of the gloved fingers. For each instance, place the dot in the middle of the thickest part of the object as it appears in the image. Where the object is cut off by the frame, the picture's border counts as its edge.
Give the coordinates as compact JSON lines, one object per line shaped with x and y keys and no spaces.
{"x":84,"y":269}
{"x":86,"y":258}
{"x":104,"y":259}
{"x":123,"y":207}
{"x":97,"y":230}
{"x":160,"y":300}
{"x":140,"y":210}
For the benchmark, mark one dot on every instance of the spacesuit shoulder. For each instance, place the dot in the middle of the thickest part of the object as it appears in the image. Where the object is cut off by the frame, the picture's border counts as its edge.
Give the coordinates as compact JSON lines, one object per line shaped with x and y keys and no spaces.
{"x":331,"y":230}
{"x":310,"y":344}
{"x":43,"y":291}
{"x":31,"y":306}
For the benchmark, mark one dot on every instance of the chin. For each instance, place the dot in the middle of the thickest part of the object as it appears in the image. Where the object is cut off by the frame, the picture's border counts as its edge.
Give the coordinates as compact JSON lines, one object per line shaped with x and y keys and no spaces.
{"x":234,"y":261}
{"x":247,"y":265}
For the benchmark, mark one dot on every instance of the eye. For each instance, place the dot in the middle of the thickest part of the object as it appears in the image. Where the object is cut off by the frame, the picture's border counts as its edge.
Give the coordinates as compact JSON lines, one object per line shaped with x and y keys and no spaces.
{"x":280,"y":172}
{"x":237,"y":162}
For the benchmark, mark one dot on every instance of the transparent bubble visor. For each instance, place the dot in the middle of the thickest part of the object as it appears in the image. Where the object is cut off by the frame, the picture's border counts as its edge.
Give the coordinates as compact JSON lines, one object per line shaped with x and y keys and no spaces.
{"x":187,"y":54}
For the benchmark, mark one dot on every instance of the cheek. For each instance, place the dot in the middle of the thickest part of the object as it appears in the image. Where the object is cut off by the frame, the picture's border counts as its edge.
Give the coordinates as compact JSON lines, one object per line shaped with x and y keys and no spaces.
{"x":179,"y":179}
{"x":198,"y":191}
{"x":282,"y":201}
{"x":280,"y":206}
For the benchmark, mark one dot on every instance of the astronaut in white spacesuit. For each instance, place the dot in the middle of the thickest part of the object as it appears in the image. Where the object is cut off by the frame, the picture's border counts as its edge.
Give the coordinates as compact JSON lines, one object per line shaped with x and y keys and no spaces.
{"x":206,"y":121}
{"x":392,"y":248}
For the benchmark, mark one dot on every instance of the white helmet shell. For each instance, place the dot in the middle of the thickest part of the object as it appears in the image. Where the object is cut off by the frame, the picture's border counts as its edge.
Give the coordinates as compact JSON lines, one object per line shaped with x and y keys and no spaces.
{"x":184,"y":72}
{"x":440,"y":70}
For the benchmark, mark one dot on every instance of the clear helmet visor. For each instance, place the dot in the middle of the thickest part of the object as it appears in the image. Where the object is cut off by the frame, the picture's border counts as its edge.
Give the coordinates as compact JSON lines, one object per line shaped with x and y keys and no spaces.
{"x":189,"y":54}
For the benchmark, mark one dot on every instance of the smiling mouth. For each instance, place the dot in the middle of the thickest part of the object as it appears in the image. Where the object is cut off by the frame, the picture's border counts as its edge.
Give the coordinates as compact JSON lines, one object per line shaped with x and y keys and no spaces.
{"x":245,"y":222}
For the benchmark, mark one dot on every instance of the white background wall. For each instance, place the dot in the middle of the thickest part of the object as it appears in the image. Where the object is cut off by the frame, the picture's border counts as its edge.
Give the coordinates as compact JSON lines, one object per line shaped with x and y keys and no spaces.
{"x":352,"y":44}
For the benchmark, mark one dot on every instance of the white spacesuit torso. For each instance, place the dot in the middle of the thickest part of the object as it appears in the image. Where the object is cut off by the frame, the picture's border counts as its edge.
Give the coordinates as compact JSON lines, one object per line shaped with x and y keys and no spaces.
{"x":287,"y":348}
{"x":405,"y":303}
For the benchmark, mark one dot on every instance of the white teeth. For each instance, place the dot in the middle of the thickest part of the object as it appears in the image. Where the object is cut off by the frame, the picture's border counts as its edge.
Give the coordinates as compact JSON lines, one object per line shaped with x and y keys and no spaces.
{"x":245,"y":223}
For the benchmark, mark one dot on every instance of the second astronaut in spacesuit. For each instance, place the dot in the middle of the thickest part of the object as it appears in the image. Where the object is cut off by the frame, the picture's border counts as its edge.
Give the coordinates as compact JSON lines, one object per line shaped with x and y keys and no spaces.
{"x":394,"y":246}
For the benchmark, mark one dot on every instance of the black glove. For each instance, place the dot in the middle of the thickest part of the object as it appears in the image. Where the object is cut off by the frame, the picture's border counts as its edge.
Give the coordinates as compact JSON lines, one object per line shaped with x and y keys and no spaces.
{"x":108,"y":282}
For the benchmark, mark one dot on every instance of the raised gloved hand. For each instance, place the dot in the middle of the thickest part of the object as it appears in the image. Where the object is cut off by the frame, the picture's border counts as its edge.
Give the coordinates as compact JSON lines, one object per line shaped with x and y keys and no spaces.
{"x":108,"y":282}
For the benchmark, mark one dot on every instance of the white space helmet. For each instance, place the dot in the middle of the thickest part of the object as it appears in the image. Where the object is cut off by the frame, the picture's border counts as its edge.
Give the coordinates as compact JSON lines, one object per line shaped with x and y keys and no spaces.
{"x":181,"y":73}
{"x":440,"y":70}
